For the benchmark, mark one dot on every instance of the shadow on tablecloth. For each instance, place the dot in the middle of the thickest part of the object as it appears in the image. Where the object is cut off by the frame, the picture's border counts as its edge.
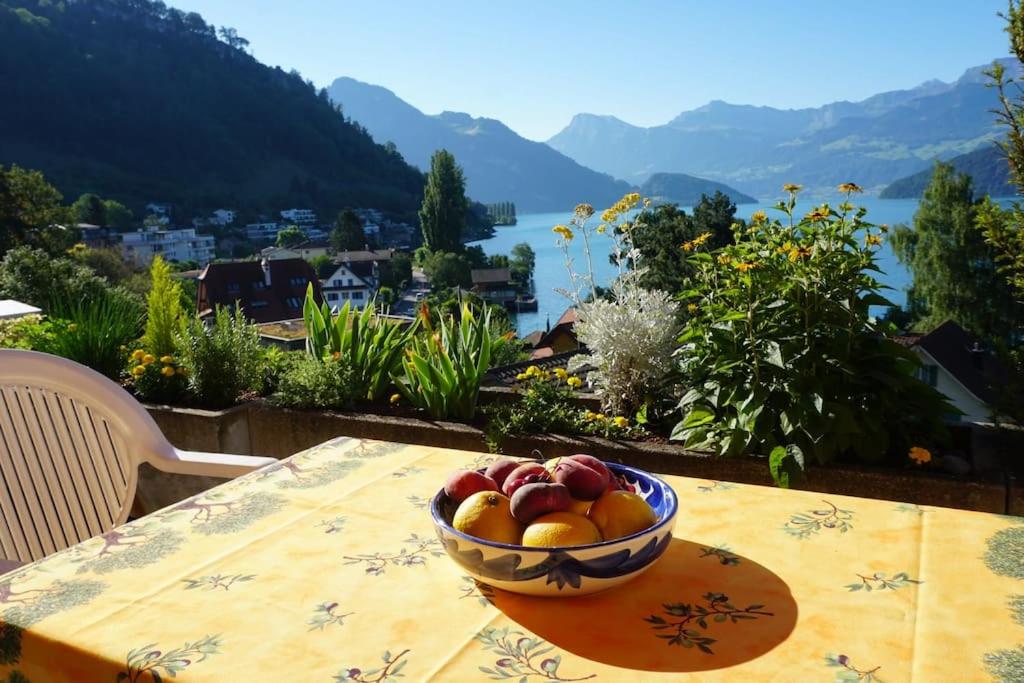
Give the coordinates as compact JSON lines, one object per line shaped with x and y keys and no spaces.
{"x":698,"y":608}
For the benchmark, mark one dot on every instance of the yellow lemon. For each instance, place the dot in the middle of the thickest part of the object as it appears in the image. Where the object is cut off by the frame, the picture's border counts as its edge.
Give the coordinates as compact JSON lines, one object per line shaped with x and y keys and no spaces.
{"x":580,"y":507}
{"x":560,"y":529}
{"x":487,"y":515}
{"x":621,"y":513}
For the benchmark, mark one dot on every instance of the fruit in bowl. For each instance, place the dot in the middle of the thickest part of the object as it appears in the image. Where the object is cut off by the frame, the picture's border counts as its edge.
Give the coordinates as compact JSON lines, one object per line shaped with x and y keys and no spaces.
{"x":571,"y":526}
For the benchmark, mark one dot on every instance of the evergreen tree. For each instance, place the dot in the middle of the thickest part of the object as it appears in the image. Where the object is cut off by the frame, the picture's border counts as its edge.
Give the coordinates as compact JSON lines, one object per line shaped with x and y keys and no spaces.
{"x":31,"y":212}
{"x":118,"y":216}
{"x":954,"y":270}
{"x":522,"y":263}
{"x":165,"y":319}
{"x":290,"y":236}
{"x":90,"y":209}
{"x":443,"y":213}
{"x":347,"y":234}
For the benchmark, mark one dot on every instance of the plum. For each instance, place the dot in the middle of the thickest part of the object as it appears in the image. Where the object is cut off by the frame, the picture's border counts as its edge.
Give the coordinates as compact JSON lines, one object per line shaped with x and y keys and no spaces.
{"x":530,"y":501}
{"x":585,"y":482}
{"x":530,"y":473}
{"x":500,"y":469}
{"x":464,"y":483}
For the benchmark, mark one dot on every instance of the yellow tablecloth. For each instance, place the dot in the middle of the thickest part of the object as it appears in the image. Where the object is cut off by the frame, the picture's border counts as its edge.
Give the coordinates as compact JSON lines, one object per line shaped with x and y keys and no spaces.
{"x":326,"y":568}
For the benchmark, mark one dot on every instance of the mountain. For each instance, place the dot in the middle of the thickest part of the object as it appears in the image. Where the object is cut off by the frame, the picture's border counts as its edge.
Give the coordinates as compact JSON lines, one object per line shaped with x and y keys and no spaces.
{"x":986,"y":165}
{"x":139,"y":102}
{"x":757,"y":149}
{"x":499,"y":164}
{"x":686,"y":190}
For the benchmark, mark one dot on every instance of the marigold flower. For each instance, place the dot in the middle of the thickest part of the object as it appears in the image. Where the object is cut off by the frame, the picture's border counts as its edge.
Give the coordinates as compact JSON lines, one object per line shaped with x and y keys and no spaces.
{"x":561,"y":373}
{"x":167,"y":360}
{"x":590,"y":416}
{"x":621,"y":422}
{"x":584,"y":211}
{"x":167,"y":371}
{"x":692,"y":308}
{"x":574,"y":382}
{"x":148,"y":358}
{"x":564,"y":232}
{"x":920,"y":455}
{"x":850,"y":187}
{"x":139,"y":370}
{"x":792,"y":188}
{"x":521,"y":376}
{"x":873,"y":240}
{"x":137,"y":354}
{"x":395,"y":398}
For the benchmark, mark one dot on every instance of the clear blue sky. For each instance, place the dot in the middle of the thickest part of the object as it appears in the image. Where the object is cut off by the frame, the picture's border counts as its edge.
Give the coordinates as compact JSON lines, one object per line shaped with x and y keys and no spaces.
{"x":535,"y":63}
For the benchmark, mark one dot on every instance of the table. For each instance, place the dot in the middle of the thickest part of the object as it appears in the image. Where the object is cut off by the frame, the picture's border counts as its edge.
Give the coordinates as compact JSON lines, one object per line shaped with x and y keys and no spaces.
{"x":325,"y":567}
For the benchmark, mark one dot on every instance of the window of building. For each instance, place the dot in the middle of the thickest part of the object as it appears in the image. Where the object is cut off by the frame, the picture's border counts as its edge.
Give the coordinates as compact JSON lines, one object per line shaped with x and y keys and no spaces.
{"x":336,"y":283}
{"x":357,"y":295}
{"x":258,"y":304}
{"x":299,"y":281}
{"x":293,"y":302}
{"x":332,"y":296}
{"x":350,"y":282}
{"x":234,"y":288}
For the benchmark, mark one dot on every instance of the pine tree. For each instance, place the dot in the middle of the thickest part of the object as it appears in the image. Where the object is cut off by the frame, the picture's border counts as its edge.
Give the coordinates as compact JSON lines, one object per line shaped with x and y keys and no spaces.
{"x":954,"y":270}
{"x":164,"y":317}
{"x":348,"y":234}
{"x":443,"y":214}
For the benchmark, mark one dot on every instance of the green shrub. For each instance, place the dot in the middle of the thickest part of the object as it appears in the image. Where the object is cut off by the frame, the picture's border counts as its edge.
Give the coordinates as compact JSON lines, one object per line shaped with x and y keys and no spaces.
{"x":314,"y":383}
{"x":164,"y":318}
{"x":19,"y":333}
{"x":444,"y":365}
{"x":157,"y":379}
{"x":223,"y":362}
{"x":274,"y":362}
{"x":370,"y":344}
{"x":93,"y":331}
{"x":780,"y":348}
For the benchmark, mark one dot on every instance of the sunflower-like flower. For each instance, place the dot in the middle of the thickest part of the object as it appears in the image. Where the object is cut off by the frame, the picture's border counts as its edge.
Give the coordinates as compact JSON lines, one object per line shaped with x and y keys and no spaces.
{"x":745,"y":266}
{"x":873,"y":240}
{"x":584,"y":211}
{"x":920,"y":455}
{"x":574,"y":382}
{"x":792,"y":188}
{"x":797,"y":253}
{"x":849,"y":188}
{"x":692,"y":308}
{"x":724,"y":259}
{"x":564,"y":232}
{"x":759,"y":216}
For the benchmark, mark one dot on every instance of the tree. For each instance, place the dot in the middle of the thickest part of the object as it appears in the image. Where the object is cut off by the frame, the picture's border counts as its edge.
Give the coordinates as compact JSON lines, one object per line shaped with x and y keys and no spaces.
{"x":715,"y":214}
{"x":347,"y":234}
{"x":522,"y":263}
{"x":37,"y":278}
{"x":31,"y":212}
{"x":953,"y":268}
{"x":447,"y":270}
{"x":290,"y":236}
{"x":118,"y":216}
{"x":165,"y":319}
{"x":90,"y":209}
{"x":443,"y":212}
{"x":323,"y":265}
{"x":107,"y":262}
{"x":396,"y":273}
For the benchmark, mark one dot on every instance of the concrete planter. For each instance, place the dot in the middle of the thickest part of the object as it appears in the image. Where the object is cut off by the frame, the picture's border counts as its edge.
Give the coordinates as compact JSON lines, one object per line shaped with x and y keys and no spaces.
{"x":259,"y":429}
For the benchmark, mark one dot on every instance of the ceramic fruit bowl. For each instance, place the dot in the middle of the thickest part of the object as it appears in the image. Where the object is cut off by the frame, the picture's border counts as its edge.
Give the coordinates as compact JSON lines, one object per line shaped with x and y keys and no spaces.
{"x":567,"y":570}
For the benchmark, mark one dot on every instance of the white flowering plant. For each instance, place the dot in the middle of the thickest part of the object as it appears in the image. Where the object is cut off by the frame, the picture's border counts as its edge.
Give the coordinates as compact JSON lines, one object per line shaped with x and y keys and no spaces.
{"x":630,"y":332}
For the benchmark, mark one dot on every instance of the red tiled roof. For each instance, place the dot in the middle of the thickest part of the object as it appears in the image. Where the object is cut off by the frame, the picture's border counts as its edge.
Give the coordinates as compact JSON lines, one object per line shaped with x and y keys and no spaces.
{"x":245,"y":281}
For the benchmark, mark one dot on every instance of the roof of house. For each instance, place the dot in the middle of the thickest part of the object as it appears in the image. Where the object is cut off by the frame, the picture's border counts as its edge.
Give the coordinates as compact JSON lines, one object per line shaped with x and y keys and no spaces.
{"x":533,"y":338}
{"x":288,"y":280}
{"x":485,"y":276}
{"x":9,"y":308}
{"x":363,"y":255}
{"x":566,"y":325}
{"x":962,"y":356}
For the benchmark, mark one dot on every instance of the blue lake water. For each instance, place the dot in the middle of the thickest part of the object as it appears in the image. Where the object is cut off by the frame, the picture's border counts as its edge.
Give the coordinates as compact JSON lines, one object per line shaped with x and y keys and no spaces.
{"x":550,"y":273}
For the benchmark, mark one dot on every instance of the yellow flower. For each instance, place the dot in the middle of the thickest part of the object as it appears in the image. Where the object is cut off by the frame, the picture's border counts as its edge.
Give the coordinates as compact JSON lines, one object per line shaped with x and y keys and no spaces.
{"x":797,"y":253}
{"x":692,"y":308}
{"x":725,"y":259}
{"x":701,"y":238}
{"x":600,"y":417}
{"x":166,"y":360}
{"x":532,"y":371}
{"x":850,"y":187}
{"x":564,"y":232}
{"x":819,"y":213}
{"x":792,"y":188}
{"x":395,"y":398}
{"x":574,"y":382}
{"x":590,"y":416}
{"x":920,"y":455}
{"x":182,"y":371}
{"x":601,"y":228}
{"x":631,"y":199}
{"x":584,"y":211}
{"x":167,"y":371}
{"x":148,"y":358}
{"x":759,"y":216}
{"x":687,"y":246}
{"x":72,"y":327}
{"x":521,"y":376}
{"x":139,"y":370}
{"x":745,"y":267}
{"x":873,"y":240}
{"x":647,"y":202}
{"x":336,"y":355}
{"x":561,"y":373}
{"x":621,"y":422}
{"x":137,"y":354}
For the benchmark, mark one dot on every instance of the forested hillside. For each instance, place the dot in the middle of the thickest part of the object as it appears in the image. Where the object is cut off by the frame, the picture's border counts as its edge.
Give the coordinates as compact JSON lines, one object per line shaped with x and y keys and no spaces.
{"x":139,"y":102}
{"x":986,"y":166}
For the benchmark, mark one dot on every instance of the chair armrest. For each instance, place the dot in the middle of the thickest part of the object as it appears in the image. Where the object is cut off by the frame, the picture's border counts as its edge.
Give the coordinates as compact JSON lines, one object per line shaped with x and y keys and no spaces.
{"x":222,"y":465}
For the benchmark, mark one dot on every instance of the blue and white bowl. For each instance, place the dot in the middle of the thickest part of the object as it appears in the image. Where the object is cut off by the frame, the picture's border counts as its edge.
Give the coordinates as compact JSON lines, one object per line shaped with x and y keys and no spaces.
{"x":568,"y":570}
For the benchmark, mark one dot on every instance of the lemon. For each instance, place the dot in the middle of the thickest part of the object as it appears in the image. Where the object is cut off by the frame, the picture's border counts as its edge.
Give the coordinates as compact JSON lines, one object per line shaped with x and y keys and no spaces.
{"x":580,"y":507}
{"x":487,"y":515}
{"x":560,"y":529}
{"x":621,"y":513}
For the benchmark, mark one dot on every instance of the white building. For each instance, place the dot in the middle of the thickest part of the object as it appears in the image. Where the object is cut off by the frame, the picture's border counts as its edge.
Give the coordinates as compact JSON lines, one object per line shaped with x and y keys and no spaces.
{"x":183,"y":244}
{"x":300,"y":217}
{"x":223,"y":217}
{"x":262,"y":231}
{"x":159,"y":209}
{"x":344,"y":285}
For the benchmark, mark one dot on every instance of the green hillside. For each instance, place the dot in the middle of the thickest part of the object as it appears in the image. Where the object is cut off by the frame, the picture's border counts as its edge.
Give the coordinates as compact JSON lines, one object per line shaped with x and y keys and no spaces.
{"x":139,"y":102}
{"x":986,"y":166}
{"x":686,"y":190}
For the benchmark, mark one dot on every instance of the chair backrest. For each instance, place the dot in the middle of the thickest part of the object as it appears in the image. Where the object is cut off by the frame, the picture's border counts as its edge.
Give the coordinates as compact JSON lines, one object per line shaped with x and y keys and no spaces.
{"x":71,"y":441}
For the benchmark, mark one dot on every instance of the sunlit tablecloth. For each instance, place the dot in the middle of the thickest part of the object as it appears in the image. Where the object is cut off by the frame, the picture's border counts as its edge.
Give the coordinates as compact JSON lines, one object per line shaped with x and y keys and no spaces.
{"x":325,"y":567}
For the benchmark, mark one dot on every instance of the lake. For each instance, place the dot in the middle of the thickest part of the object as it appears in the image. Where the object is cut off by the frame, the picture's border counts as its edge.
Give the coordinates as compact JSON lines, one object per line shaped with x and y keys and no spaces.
{"x":550,"y":272}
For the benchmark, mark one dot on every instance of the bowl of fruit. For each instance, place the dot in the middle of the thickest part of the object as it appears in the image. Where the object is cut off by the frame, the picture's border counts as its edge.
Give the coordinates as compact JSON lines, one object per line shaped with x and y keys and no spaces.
{"x":570,"y":526}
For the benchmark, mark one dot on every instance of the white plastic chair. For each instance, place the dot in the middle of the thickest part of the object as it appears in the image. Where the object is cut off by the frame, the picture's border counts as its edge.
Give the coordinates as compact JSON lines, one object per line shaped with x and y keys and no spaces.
{"x":71,"y":442}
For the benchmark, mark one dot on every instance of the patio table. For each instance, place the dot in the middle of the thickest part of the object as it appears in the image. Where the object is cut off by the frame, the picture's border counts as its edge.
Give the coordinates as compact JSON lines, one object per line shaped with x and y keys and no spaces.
{"x":326,"y":567}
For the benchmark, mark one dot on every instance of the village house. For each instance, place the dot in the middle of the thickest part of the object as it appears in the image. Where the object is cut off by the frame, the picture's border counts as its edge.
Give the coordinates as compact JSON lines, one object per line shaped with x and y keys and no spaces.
{"x":494,"y":285}
{"x":183,"y":244}
{"x":356,"y":276}
{"x":265,"y":290}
